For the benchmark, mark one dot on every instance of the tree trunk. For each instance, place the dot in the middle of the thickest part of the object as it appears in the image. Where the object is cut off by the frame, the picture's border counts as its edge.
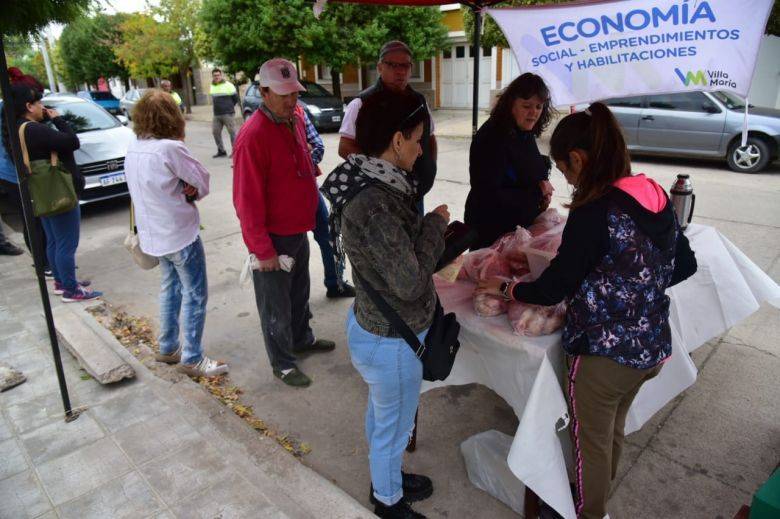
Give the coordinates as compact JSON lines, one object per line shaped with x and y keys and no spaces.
{"x":185,"y":82}
{"x":335,"y":78}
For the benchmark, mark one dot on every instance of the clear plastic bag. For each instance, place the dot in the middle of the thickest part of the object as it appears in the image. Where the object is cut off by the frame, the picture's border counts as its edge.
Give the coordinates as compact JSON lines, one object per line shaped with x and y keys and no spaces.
{"x":485,"y":455}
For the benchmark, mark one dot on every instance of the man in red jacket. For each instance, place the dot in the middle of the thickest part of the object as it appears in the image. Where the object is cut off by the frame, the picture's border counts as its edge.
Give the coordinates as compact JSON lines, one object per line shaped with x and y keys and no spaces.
{"x":275,"y":196}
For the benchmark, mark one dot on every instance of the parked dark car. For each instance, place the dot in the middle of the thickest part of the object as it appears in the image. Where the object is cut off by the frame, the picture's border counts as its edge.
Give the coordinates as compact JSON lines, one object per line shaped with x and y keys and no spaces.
{"x":323,"y":108}
{"x":699,"y":124}
{"x":104,"y":99}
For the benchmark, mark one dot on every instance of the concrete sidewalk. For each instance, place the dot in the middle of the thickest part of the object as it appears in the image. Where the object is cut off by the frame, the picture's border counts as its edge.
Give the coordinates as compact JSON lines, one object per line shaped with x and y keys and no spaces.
{"x":148,"y":447}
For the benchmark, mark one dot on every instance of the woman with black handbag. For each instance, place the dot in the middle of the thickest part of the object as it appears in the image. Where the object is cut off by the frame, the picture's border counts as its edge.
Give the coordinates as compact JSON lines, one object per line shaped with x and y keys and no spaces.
{"x":394,"y":251}
{"x":43,"y":143}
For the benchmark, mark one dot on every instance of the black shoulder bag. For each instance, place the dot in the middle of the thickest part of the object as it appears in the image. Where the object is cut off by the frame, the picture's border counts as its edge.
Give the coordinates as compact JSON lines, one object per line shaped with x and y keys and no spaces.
{"x":441,"y":344}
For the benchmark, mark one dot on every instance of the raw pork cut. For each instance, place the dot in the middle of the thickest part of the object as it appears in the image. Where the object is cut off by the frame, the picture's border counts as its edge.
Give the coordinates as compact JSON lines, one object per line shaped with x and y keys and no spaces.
{"x":489,"y":306}
{"x":549,"y":221}
{"x":534,"y":320}
{"x":485,"y":264}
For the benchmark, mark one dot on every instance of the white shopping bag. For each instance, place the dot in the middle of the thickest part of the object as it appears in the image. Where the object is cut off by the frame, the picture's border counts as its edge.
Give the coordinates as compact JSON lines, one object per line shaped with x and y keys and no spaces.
{"x":252,"y":263}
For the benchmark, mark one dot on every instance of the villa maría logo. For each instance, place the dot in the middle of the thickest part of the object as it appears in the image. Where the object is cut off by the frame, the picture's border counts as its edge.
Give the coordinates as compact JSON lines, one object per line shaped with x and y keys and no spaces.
{"x":710,"y":78}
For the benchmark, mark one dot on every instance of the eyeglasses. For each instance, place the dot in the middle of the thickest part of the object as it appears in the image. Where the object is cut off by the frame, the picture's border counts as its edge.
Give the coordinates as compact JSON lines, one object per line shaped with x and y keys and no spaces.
{"x":398,"y":66}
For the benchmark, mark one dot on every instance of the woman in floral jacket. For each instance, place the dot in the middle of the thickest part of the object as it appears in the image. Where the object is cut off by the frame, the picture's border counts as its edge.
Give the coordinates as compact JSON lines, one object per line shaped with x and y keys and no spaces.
{"x":621,"y":249}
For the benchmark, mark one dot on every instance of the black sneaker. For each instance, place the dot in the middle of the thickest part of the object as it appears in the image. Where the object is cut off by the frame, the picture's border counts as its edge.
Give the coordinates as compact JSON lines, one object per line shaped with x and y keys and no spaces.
{"x":400,"y":510}
{"x":340,"y":291}
{"x":9,"y":249}
{"x":416,"y":487}
{"x":219,"y":154}
{"x":318,"y":346}
{"x":294,"y":378}
{"x":48,"y":273}
{"x":547,"y":512}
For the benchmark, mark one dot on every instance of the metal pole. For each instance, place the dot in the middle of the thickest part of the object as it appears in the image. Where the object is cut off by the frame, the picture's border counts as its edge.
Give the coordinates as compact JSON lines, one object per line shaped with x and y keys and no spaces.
{"x":16,"y":153}
{"x":476,"y":49}
{"x":42,"y":42}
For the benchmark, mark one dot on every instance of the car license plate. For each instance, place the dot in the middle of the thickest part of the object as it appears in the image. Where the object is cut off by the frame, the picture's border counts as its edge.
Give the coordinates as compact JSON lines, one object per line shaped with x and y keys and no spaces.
{"x":110,"y":180}
{"x":336,"y":118}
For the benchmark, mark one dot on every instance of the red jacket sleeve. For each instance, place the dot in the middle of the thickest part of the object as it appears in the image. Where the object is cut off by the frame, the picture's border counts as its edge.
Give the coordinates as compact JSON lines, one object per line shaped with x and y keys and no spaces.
{"x":250,"y":170}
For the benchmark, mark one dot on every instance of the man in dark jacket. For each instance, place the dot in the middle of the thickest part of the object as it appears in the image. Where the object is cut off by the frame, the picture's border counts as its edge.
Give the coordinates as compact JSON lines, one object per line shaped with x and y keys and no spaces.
{"x":224,"y":99}
{"x":395,"y":69}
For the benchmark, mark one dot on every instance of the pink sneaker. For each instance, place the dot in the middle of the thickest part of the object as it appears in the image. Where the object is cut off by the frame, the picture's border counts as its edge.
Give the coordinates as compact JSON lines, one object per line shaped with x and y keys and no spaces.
{"x":80,"y":294}
{"x":58,"y":290}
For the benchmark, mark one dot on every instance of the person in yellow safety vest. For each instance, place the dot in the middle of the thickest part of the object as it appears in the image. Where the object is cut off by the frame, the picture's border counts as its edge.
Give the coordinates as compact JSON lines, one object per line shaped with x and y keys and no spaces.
{"x":166,"y":86}
{"x":224,"y":99}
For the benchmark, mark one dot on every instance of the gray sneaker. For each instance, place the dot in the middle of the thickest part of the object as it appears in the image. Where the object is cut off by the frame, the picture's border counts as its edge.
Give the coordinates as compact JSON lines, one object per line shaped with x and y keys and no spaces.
{"x":169,"y":358}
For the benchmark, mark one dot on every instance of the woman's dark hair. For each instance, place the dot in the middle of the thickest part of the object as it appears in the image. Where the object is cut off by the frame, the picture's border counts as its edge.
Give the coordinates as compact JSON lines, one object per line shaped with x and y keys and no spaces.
{"x":524,"y":86}
{"x":382,"y":114}
{"x":21,"y":94}
{"x":596,"y":132}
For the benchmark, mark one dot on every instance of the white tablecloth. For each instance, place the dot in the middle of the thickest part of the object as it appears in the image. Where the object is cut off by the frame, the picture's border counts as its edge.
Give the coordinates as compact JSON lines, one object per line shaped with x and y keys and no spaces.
{"x":527,"y":371}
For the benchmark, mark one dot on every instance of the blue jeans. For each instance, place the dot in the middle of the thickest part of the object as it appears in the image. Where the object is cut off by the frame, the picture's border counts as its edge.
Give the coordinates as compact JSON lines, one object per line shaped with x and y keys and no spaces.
{"x":394,"y":375}
{"x":322,"y":237}
{"x":183,"y":278}
{"x":62,"y":240}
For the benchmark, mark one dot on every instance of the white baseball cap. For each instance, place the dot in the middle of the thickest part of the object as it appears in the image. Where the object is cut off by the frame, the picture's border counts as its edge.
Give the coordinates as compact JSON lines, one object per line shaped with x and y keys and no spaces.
{"x":280,"y":75}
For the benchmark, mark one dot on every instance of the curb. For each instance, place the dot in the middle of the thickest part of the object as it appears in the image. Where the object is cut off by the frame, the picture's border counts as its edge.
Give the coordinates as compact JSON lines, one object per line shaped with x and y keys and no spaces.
{"x":253,"y":453}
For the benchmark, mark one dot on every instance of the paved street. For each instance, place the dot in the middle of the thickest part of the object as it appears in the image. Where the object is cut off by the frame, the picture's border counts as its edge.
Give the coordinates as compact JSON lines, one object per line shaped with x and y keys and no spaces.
{"x":702,"y":456}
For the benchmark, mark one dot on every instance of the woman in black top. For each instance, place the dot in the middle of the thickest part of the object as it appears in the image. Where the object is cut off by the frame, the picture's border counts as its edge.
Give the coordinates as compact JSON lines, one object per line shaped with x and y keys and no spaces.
{"x":508,"y":175}
{"x":62,"y":230}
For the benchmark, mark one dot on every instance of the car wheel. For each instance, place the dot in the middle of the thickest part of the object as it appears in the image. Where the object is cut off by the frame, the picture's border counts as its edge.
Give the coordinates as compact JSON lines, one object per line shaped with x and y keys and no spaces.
{"x":751,"y":158}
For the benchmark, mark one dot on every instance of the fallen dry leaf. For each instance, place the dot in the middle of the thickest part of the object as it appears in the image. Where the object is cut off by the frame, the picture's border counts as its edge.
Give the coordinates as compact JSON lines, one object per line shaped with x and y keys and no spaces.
{"x":135,"y":332}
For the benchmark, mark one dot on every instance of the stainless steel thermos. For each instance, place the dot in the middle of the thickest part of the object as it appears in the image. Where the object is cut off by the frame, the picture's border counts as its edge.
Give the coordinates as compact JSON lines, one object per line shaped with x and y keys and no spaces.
{"x":683,"y":199}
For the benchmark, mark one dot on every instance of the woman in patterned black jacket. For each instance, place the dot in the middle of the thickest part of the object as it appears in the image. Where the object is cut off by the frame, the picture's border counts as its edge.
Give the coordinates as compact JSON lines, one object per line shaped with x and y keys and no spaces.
{"x":621,"y":249}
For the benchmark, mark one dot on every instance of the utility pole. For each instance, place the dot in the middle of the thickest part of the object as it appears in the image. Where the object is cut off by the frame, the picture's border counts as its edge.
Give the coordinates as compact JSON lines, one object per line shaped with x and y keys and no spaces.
{"x":42,"y":42}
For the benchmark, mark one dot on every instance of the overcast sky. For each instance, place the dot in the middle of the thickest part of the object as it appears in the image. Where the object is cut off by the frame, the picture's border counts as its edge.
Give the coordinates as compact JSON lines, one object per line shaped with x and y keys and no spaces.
{"x":111,"y":7}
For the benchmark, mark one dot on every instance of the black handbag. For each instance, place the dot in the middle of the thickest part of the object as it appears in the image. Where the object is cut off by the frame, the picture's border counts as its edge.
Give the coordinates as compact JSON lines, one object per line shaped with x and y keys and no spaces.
{"x":441,"y":344}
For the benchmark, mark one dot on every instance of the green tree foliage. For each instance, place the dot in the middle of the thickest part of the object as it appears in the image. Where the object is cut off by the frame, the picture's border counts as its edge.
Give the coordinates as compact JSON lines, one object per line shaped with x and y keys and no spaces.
{"x":345,"y":34}
{"x":148,"y":48}
{"x":162,"y":42}
{"x":264,"y":30}
{"x":27,"y":17}
{"x":183,"y":27}
{"x":491,"y":33}
{"x":58,"y":63}
{"x":86,"y":48}
{"x":21,"y":53}
{"x":420,"y":28}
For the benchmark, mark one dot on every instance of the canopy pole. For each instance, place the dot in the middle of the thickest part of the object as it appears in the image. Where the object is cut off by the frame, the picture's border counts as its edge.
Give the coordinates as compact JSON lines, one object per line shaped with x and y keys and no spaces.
{"x":13,"y":134}
{"x":477,"y":40}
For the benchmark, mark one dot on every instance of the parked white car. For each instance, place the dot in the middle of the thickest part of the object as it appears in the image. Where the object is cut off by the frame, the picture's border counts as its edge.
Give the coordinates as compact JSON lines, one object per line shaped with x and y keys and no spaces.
{"x":104,"y":141}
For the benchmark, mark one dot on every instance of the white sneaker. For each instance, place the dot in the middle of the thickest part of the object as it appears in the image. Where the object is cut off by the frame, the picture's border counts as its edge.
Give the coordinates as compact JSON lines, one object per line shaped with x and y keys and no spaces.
{"x":205,"y":368}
